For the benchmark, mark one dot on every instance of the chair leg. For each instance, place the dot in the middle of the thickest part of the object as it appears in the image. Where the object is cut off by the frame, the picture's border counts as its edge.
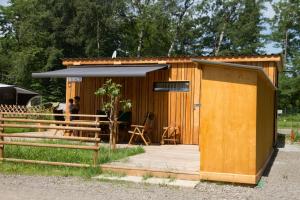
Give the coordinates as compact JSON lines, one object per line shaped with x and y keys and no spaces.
{"x":132,"y":135}
{"x":162,"y":142}
{"x":146,"y":143}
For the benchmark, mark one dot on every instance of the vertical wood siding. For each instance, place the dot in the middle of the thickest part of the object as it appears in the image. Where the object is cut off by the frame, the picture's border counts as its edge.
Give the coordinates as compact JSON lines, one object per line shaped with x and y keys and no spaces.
{"x":168,"y":107}
{"x":178,"y":107}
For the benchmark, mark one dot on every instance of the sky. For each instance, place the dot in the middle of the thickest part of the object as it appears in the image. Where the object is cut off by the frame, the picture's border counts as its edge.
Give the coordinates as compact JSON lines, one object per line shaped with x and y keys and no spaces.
{"x":268,"y":13}
{"x":3,"y":2}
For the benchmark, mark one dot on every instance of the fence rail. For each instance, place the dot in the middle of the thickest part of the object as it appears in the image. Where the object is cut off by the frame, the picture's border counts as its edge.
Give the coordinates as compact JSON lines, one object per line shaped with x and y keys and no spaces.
{"x":9,"y":120}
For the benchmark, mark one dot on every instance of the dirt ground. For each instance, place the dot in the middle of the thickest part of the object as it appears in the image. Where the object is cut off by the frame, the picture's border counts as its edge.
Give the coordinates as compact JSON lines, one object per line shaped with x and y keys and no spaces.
{"x":281,"y":181}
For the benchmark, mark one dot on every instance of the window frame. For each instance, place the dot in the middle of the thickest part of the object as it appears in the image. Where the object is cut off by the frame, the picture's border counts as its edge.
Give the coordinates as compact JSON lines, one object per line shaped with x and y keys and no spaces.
{"x":183,"y":88}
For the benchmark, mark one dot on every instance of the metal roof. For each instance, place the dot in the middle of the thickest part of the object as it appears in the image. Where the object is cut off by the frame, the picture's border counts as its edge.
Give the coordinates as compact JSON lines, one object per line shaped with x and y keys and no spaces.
{"x":101,"y":71}
{"x":175,"y":57}
{"x":277,"y":58}
{"x":4,"y":85}
{"x":18,"y":89}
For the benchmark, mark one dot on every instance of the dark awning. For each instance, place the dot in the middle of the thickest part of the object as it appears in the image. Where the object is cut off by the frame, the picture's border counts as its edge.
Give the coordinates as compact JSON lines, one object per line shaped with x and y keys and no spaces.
{"x":101,"y":71}
{"x":18,"y":89}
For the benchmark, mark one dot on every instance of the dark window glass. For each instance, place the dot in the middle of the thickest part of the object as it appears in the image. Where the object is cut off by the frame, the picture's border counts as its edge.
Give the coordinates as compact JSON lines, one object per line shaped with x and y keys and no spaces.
{"x":172,"y":86}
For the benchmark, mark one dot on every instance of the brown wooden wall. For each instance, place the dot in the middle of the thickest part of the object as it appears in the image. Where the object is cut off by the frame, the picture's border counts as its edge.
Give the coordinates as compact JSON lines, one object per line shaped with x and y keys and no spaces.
{"x":179,"y":107}
{"x":228,"y":122}
{"x":265,"y":121}
{"x":168,"y":107}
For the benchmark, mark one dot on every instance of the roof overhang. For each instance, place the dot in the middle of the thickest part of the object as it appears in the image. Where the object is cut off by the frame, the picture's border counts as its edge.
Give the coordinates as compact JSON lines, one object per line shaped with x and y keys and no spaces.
{"x":18,"y":89}
{"x":102,"y":71}
{"x":260,"y":70}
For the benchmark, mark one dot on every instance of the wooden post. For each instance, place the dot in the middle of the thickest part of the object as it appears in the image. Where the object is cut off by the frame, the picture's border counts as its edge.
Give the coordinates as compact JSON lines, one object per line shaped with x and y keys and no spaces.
{"x":1,"y":137}
{"x":96,"y":151}
{"x":67,"y":119}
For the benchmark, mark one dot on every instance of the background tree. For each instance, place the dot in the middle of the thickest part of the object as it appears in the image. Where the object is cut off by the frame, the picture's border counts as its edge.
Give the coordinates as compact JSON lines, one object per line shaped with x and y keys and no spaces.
{"x":35,"y":34}
{"x":231,"y":27}
{"x":286,"y":35}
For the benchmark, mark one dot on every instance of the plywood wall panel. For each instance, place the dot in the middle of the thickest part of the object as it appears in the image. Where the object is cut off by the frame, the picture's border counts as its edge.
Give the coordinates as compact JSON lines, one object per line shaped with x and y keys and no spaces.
{"x":265,"y":121}
{"x":228,"y":120}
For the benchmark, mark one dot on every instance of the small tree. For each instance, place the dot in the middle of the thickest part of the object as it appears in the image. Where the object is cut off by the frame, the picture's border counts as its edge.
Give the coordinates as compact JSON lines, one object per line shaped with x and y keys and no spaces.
{"x":110,"y":94}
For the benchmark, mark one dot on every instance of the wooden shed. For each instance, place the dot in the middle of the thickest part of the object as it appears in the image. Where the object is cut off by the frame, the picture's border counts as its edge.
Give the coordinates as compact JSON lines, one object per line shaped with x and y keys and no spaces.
{"x":226,"y":105}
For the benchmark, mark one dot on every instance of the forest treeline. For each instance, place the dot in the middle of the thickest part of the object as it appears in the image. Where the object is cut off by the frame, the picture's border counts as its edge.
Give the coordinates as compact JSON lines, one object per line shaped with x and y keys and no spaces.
{"x":36,"y":34}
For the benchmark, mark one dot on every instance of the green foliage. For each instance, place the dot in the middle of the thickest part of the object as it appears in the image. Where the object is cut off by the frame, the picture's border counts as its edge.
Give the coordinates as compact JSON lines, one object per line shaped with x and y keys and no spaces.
{"x":35,"y":35}
{"x":231,"y":27}
{"x":260,"y":184}
{"x":147,"y":176}
{"x":68,"y":155}
{"x":19,"y":130}
{"x":110,"y":94}
{"x":286,"y":35}
{"x":289,"y":121}
{"x":112,"y":91}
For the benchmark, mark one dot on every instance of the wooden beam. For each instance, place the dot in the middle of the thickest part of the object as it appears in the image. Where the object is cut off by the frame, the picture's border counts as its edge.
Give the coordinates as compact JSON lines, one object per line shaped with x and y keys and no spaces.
{"x":50,"y":127}
{"x":49,"y":145}
{"x":45,"y":162}
{"x":91,"y":123}
{"x":228,"y":177}
{"x":86,"y":139}
{"x":50,"y":114}
{"x":134,"y":171}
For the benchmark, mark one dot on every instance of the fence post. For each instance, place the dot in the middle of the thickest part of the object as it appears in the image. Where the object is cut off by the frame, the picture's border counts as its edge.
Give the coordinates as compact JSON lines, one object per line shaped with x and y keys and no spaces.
{"x":96,"y":152}
{"x":1,"y":137}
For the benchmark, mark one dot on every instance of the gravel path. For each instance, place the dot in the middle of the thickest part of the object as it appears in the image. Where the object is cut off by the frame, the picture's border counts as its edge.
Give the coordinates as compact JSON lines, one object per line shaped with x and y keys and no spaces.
{"x":281,"y":182}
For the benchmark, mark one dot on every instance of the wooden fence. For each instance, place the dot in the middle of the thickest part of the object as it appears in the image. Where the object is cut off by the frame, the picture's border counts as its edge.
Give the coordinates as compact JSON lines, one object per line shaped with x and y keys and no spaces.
{"x":23,"y":109}
{"x":22,"y":120}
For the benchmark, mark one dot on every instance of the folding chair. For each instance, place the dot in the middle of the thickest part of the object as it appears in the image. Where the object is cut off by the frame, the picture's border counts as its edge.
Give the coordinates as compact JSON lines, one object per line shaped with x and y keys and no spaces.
{"x":170,"y":134}
{"x":144,"y":130}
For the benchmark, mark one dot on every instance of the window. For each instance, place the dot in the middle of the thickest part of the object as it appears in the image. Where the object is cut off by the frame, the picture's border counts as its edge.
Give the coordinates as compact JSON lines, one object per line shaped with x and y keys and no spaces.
{"x":171,"y":86}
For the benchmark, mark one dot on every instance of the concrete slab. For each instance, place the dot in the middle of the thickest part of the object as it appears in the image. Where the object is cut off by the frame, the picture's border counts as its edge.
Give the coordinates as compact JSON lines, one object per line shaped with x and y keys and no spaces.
{"x":151,"y":180}
{"x":290,"y":148}
{"x":284,"y":131}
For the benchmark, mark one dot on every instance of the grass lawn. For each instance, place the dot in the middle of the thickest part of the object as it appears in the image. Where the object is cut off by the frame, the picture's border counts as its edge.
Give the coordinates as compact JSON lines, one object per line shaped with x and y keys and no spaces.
{"x":60,"y":155}
{"x":19,"y":130}
{"x":289,"y":121}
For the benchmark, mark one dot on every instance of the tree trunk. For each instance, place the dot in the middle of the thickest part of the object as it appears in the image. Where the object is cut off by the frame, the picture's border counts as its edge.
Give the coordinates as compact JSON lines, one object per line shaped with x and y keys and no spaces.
{"x":217,"y":50}
{"x":113,"y":124}
{"x":171,"y":48}
{"x":98,"y":37}
{"x":286,"y":44}
{"x":114,"y":131}
{"x":187,"y":5}
{"x":141,"y":38}
{"x":111,"y":128}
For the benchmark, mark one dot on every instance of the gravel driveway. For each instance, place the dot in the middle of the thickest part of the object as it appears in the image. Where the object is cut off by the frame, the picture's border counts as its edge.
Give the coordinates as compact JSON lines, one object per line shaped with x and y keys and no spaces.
{"x":281,"y":182}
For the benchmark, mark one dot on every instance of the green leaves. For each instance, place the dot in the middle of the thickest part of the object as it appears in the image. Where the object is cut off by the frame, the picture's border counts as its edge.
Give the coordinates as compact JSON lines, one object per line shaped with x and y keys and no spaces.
{"x":36,"y":34}
{"x":286,"y":35}
{"x":112,"y":93}
{"x":126,"y":105}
